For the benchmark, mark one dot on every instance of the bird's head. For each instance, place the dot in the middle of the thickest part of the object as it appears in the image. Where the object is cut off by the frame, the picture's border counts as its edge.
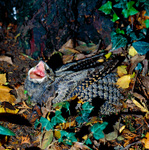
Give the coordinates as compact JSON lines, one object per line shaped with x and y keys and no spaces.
{"x":40,"y":73}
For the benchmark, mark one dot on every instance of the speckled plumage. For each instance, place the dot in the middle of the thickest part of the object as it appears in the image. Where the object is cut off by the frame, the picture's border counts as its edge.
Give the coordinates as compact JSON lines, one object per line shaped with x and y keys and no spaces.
{"x":84,"y":81}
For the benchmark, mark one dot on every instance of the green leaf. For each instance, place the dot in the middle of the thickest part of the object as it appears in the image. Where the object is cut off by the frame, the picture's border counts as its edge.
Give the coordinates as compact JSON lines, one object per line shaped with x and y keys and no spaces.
{"x":147,"y":23}
{"x":46,"y":123}
{"x":115,"y":17}
{"x":118,"y":31}
{"x":83,"y":118}
{"x":141,"y":47}
{"x":130,"y":4}
{"x":139,"y":67}
{"x":87,"y":107}
{"x":25,"y":92}
{"x":121,"y":4}
{"x":5,"y":131}
{"x":66,"y":105}
{"x":36,"y":123}
{"x":88,"y":141}
{"x":106,"y":8}
{"x":97,"y":130}
{"x":132,"y":11}
{"x":125,"y":13}
{"x":118,"y":41}
{"x":58,"y":118}
{"x":67,"y":138}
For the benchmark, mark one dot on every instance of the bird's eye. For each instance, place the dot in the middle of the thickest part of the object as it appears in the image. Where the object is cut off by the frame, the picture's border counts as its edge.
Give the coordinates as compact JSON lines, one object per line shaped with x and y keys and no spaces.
{"x":48,"y":71}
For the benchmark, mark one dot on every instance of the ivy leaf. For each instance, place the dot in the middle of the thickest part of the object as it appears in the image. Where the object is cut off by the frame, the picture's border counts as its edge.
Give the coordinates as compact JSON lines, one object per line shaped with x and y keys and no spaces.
{"x":58,"y":118}
{"x":36,"y":123}
{"x":5,"y":131}
{"x":67,"y":138}
{"x":130,"y":10}
{"x":130,"y":4}
{"x":141,"y":47}
{"x":88,"y":141}
{"x":97,"y":129}
{"x":139,"y":67}
{"x":66,"y":105}
{"x":147,"y":23}
{"x":119,"y":31}
{"x":87,"y":107}
{"x":118,"y":41}
{"x":46,"y":123}
{"x":106,"y":8}
{"x":125,"y":13}
{"x":120,"y":5}
{"x":83,"y":118}
{"x":115,"y":17}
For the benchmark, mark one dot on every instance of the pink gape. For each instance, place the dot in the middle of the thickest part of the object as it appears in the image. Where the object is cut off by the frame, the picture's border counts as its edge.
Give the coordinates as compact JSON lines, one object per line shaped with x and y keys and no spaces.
{"x":38,"y":71}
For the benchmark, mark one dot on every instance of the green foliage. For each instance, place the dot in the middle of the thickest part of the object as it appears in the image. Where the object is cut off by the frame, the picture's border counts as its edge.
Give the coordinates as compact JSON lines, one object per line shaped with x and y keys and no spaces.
{"x":141,"y":47}
{"x":58,"y":118}
{"x":130,"y":10}
{"x":67,"y":138}
{"x":106,"y":8}
{"x":97,"y":130}
{"x":120,"y":10}
{"x":118,"y":41}
{"x":85,"y":112}
{"x":46,"y":123}
{"x":5,"y":131}
{"x":147,"y":23}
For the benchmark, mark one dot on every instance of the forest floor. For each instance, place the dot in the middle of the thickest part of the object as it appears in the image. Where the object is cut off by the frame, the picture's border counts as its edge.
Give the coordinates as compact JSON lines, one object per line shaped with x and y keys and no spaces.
{"x":127,"y":130}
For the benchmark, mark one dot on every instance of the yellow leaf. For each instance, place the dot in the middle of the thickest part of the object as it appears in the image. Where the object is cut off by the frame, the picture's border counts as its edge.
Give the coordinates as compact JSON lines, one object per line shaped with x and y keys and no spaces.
{"x":132,"y":51}
{"x":7,"y":110}
{"x":146,"y":140}
{"x":143,"y":109}
{"x":57,"y":134}
{"x":108,"y":55}
{"x":4,"y":88}
{"x":124,"y":81}
{"x":100,"y":60}
{"x":84,"y":137}
{"x":3,"y":78}
{"x":122,"y":128}
{"x":121,"y":70}
{"x":5,"y":95}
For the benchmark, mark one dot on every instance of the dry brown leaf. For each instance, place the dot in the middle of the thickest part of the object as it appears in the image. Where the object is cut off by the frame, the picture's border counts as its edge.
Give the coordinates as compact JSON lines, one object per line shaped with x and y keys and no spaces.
{"x":46,"y":139}
{"x":85,"y":48}
{"x":134,"y":61}
{"x":109,"y":47}
{"x":67,"y":58}
{"x":145,"y":82}
{"x":79,"y":56}
{"x":67,"y":125}
{"x":113,"y":135}
{"x":25,"y":140}
{"x":7,"y":59}
{"x":2,"y":78}
{"x":78,"y":146}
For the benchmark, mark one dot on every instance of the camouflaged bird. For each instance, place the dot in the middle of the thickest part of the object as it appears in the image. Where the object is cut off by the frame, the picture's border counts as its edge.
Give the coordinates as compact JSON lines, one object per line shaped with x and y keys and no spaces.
{"x":87,"y":79}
